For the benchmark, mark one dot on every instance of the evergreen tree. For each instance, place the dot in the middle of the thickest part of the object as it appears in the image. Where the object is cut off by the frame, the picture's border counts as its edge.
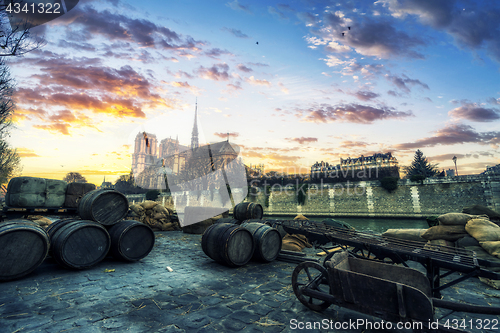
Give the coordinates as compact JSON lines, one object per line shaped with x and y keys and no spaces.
{"x":421,"y":167}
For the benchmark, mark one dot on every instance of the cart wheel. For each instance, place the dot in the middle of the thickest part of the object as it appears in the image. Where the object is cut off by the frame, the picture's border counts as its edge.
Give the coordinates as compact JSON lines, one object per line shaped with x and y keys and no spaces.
{"x":313,"y":276}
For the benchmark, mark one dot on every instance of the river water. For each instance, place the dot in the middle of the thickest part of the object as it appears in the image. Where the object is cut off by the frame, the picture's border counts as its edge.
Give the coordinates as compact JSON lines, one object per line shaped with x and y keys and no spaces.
{"x":375,"y":225}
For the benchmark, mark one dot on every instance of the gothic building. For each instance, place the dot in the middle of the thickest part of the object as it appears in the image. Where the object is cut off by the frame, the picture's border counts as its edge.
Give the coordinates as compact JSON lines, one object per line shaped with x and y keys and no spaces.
{"x":386,"y":163}
{"x":152,"y":162}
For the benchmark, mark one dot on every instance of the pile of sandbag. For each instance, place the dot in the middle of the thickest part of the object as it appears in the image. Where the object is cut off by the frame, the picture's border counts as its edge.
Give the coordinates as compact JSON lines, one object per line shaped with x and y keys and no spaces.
{"x":153,"y":214}
{"x":451,"y":227}
{"x":295,"y":242}
{"x":486,"y":233}
{"x":482,"y":210}
{"x":406,"y":234}
{"x":41,"y":220}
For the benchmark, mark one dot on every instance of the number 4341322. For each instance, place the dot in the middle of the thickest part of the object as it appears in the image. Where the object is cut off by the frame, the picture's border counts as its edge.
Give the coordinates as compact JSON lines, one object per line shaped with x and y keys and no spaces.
{"x":40,"y":8}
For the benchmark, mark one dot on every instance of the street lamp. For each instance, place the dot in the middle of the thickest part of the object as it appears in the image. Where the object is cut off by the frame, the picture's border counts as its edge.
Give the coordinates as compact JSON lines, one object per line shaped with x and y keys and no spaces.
{"x":455,"y":161}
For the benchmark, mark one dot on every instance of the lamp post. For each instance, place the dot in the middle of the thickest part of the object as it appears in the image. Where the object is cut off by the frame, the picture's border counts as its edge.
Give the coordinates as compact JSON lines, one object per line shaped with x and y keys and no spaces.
{"x":455,"y":161}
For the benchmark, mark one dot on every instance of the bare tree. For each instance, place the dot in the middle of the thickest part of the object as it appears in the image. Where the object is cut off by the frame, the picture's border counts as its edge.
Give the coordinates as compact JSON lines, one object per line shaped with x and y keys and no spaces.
{"x":16,"y":38}
{"x":74,"y":177}
{"x":10,"y":162}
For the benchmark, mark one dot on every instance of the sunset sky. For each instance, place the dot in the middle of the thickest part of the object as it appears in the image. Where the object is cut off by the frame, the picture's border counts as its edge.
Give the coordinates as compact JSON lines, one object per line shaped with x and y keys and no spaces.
{"x":293,"y":82}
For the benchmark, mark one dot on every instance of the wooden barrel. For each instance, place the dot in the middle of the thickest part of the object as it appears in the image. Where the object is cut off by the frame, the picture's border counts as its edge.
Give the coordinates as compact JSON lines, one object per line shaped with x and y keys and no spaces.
{"x":55,"y":226}
{"x":228,"y":244}
{"x":23,"y":247}
{"x":248,"y":210}
{"x":80,"y":244}
{"x":104,"y":206}
{"x":131,"y":240}
{"x":267,"y":240}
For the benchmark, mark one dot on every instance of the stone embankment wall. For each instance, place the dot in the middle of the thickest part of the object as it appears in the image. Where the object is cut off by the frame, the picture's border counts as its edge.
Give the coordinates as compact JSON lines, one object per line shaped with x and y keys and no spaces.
{"x":435,"y":196}
{"x":369,"y":199}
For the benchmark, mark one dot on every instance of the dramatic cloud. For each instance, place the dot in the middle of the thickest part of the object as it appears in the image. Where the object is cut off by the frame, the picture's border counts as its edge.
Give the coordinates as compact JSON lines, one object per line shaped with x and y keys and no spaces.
{"x":454,"y":134}
{"x":303,"y":140}
{"x":116,"y":27}
{"x":403,"y":82}
{"x":371,"y":38}
{"x":124,"y":81}
{"x":235,"y":32}
{"x":365,"y":95}
{"x":352,"y":113}
{"x":474,"y":112}
{"x":474,"y":25}
{"x":218,"y":72}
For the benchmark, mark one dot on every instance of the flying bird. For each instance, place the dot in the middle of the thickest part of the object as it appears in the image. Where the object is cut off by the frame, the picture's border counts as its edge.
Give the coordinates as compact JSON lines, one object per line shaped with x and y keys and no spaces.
{"x":349,"y":28}
{"x":257,"y":43}
{"x":342,"y":34}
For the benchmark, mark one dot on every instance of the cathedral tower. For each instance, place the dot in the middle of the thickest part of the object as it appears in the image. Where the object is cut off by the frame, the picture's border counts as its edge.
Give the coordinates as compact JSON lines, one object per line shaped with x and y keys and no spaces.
{"x":194,"y":134}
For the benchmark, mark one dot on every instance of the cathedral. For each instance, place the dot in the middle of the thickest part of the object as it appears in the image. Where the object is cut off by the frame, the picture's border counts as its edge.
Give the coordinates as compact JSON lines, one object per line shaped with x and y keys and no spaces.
{"x":151,"y":162}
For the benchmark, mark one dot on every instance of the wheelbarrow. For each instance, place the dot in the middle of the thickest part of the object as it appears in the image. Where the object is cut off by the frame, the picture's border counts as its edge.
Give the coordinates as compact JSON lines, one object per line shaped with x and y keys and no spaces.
{"x":392,"y":293}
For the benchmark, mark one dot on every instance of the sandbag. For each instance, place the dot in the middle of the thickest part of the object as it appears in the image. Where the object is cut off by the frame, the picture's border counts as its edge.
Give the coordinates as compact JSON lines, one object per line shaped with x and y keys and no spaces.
{"x":159,"y":209}
{"x":43,"y":222}
{"x":482,"y":254}
{"x":483,"y":230}
{"x":148,"y":204}
{"x":481,"y":210}
{"x":436,"y":244}
{"x":454,"y":219}
{"x":138,"y":209}
{"x":447,"y":232}
{"x":406,"y":234}
{"x":295,"y":242}
{"x":467,"y":241}
{"x":160,"y":216}
{"x":492,"y":248}
{"x":301,"y":217}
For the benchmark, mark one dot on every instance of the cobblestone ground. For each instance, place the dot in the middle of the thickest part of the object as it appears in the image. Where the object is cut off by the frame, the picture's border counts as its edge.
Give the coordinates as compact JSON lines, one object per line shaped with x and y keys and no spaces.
{"x":199,"y":295}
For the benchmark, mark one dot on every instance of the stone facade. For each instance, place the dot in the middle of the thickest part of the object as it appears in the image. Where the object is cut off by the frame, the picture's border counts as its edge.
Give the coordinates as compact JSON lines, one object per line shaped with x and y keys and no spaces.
{"x":410,"y":199}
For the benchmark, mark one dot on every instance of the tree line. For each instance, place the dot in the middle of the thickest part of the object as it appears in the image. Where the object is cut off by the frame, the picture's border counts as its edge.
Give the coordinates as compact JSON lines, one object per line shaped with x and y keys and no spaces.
{"x":16,"y":39}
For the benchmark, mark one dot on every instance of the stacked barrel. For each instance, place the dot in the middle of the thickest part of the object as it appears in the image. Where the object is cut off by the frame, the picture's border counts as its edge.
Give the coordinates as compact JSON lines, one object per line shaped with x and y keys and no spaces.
{"x":74,"y":243}
{"x":234,"y":241}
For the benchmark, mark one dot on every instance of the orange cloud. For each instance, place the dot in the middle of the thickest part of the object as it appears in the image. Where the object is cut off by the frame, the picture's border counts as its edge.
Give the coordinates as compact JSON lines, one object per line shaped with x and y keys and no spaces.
{"x":25,"y":152}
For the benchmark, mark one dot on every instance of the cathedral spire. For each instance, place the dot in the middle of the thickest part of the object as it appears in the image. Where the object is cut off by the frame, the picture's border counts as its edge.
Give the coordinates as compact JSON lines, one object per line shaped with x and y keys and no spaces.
{"x":194,"y":135}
